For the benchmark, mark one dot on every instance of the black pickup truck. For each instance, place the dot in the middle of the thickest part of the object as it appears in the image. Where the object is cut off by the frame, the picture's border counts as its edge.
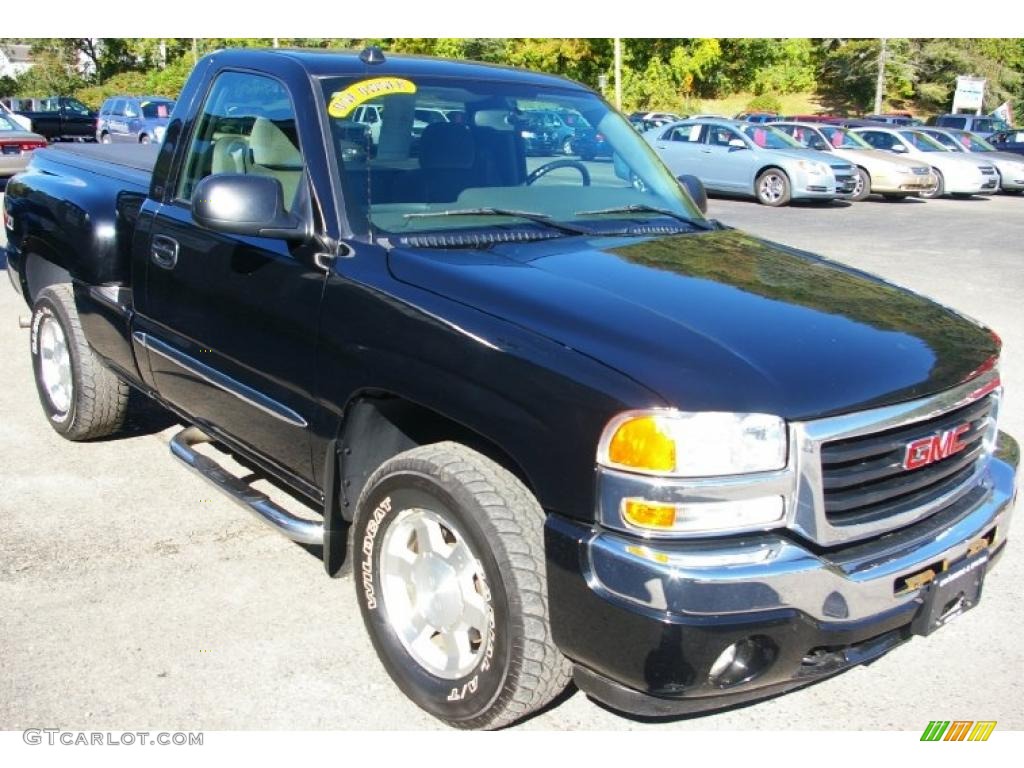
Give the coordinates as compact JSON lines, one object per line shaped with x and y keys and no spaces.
{"x":558,"y":423}
{"x":58,"y":117}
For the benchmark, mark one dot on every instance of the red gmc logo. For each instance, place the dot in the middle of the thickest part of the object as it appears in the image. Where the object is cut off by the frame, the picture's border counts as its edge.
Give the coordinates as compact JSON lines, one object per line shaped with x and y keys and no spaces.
{"x":928,"y":450}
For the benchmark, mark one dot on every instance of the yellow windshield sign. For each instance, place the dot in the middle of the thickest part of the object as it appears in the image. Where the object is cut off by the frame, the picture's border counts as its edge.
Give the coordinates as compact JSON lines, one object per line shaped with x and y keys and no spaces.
{"x":343,"y":102}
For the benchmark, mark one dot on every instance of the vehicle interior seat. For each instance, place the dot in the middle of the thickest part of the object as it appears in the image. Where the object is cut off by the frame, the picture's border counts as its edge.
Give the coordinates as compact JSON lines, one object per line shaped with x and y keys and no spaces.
{"x":447,"y":154}
{"x":501,"y":153}
{"x":272,"y":153}
{"x":230,"y":154}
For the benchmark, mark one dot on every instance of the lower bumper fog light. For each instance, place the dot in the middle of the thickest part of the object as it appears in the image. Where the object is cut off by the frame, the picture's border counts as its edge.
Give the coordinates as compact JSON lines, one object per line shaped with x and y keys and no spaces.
{"x":742,"y":661}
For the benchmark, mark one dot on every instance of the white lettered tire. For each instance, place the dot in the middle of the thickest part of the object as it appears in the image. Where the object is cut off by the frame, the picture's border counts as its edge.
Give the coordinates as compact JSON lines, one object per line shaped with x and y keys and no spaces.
{"x":449,"y":568}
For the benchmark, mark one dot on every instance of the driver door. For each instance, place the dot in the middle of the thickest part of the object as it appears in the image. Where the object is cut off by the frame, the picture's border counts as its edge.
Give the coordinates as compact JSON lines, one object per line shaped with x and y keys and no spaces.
{"x":229,"y":321}
{"x":730,"y":169}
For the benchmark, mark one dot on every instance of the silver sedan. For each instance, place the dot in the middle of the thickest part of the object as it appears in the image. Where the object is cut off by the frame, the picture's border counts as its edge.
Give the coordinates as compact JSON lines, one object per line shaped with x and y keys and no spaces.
{"x":1009,"y":165}
{"x":752,"y":160}
{"x":16,"y":147}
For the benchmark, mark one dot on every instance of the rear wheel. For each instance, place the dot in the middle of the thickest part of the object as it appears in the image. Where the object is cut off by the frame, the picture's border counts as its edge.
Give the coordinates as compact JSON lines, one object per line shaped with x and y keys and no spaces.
{"x":938,"y":190}
{"x":144,"y":139}
{"x":449,"y":551}
{"x":567,"y":146}
{"x":772,"y":188}
{"x":862,"y":187}
{"x":81,"y":397}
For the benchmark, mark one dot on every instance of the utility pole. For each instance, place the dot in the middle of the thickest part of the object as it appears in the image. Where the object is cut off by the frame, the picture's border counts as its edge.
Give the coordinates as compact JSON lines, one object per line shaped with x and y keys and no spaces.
{"x":195,"y":50}
{"x":618,"y":73}
{"x":880,"y":82}
{"x":275,"y":43}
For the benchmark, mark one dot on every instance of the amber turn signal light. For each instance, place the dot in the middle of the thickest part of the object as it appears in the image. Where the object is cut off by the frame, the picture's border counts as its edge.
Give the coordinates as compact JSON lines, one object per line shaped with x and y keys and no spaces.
{"x":643,"y":443}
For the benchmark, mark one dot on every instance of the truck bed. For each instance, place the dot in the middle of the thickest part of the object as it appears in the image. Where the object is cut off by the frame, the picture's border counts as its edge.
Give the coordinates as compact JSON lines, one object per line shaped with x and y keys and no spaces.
{"x":129,"y":163}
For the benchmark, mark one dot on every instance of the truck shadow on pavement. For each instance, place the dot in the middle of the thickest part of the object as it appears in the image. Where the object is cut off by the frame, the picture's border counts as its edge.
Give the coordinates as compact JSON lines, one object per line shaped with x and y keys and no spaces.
{"x":145,"y":417}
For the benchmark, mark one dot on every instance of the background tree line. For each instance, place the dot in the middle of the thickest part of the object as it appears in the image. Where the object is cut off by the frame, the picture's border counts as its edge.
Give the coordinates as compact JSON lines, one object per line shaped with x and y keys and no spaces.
{"x":658,"y":73}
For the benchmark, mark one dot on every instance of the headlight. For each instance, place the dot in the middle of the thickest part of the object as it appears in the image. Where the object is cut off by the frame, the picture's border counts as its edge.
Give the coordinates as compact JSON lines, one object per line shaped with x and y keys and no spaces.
{"x":528,"y":135}
{"x":815,"y":169}
{"x":701,"y":444}
{"x":903,"y":169}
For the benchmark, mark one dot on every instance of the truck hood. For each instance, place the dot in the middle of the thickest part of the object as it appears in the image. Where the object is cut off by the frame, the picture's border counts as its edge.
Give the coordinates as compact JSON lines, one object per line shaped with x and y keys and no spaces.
{"x":718,"y":320}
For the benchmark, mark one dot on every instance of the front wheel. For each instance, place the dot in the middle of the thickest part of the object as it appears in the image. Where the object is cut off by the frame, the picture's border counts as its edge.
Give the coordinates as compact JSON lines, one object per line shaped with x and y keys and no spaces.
{"x":448,"y":552}
{"x":144,"y":139}
{"x":81,"y":397}
{"x":772,"y":188}
{"x":862,"y":187}
{"x":938,"y":190}
{"x":105,"y":138}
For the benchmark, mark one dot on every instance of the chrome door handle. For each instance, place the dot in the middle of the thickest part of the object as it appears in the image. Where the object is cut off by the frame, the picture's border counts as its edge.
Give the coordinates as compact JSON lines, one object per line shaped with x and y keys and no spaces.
{"x":164,"y":251}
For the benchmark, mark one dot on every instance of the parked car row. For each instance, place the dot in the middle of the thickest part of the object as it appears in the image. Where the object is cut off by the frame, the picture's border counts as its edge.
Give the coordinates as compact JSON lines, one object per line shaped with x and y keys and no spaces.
{"x":135,"y":119}
{"x":804,"y":160}
{"x":983,"y":125}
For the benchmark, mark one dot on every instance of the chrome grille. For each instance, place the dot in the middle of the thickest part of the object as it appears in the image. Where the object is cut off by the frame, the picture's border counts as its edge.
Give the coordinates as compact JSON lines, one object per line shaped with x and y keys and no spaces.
{"x":863,"y":478}
{"x":850,"y":481}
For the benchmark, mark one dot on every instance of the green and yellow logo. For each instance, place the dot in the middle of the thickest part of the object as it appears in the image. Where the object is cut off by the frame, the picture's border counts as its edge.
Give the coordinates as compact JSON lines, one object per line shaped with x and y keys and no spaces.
{"x":958,"y":730}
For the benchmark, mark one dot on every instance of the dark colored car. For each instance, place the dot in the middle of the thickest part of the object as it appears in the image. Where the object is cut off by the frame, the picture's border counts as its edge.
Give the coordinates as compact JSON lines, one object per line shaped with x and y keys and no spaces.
{"x":58,"y":117}
{"x":758,"y":117}
{"x":133,"y":119}
{"x":560,"y":424}
{"x":1011,"y":140}
{"x":540,"y":137}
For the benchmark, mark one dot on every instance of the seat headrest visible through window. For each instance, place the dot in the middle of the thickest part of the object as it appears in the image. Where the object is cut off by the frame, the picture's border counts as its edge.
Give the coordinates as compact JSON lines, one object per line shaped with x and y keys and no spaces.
{"x":447,"y":145}
{"x":271,"y":147}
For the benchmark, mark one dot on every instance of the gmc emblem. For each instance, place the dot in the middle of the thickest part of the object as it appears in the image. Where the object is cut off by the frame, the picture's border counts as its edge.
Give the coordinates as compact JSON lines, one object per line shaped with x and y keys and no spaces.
{"x":928,"y":450}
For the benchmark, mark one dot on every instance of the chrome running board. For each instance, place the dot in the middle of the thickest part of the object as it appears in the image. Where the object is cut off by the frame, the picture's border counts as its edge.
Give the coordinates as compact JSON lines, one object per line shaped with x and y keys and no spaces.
{"x":295,"y":528}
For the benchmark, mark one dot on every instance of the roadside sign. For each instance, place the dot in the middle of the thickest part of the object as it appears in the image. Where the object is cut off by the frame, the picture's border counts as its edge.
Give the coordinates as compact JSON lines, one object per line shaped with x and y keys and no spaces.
{"x":970,"y":93}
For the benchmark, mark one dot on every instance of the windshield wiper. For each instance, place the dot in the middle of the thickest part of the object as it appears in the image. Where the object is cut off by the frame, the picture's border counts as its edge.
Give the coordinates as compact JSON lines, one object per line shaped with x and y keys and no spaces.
{"x":539,"y":218}
{"x":643,"y":208}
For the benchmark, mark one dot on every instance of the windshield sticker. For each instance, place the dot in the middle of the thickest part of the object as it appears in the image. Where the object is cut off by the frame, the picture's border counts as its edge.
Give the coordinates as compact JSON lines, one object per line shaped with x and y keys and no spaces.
{"x":343,"y":102}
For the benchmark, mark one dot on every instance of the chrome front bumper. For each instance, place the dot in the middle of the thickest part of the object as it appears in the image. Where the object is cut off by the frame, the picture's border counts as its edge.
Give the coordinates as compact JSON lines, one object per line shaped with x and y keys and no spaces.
{"x":763,"y":572}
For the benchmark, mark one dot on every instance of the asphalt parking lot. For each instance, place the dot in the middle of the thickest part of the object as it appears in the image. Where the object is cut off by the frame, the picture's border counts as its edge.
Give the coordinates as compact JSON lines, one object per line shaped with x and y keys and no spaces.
{"x":134,"y":598}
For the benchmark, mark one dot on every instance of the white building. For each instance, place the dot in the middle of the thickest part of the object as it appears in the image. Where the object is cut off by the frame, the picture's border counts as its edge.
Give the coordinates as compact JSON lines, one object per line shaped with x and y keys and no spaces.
{"x":15,"y":60}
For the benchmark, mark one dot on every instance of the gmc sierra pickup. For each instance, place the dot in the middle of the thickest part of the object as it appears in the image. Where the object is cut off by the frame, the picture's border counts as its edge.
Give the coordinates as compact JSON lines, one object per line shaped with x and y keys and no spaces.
{"x":558,"y":423}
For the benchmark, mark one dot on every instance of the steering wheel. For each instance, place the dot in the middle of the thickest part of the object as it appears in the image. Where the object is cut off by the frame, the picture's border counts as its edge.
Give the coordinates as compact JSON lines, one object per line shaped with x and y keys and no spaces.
{"x":554,"y":165}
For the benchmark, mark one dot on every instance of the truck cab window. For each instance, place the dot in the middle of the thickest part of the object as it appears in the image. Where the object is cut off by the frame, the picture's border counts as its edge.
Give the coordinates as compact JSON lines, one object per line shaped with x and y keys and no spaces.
{"x":247,"y":125}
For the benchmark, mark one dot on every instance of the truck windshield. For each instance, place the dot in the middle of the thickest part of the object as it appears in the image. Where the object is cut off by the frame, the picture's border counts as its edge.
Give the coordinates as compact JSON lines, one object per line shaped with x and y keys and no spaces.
{"x":490,"y":145}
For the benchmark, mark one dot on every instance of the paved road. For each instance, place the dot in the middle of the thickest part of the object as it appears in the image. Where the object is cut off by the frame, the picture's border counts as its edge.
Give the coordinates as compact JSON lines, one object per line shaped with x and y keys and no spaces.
{"x":133,"y":597}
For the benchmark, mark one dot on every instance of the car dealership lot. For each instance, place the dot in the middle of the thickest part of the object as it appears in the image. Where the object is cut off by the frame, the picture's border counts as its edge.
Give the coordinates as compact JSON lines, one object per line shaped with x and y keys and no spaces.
{"x":135,"y":597}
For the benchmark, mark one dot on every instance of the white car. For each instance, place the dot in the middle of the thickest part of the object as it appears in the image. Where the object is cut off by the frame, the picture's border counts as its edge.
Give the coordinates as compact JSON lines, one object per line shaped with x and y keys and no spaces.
{"x":21,"y":120}
{"x":957,"y":174}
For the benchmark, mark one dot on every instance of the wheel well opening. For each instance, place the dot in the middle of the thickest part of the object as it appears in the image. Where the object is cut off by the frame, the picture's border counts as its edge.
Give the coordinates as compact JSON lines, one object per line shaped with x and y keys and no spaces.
{"x":41,"y":273}
{"x":378,"y":428}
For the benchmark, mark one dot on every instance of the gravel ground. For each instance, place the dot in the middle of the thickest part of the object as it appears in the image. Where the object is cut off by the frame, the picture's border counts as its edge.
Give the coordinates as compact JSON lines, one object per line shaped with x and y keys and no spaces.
{"x":135,"y":598}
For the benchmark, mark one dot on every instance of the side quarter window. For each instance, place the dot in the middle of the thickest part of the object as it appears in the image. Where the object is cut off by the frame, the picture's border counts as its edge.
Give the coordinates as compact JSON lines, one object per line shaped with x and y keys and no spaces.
{"x":247,"y":125}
